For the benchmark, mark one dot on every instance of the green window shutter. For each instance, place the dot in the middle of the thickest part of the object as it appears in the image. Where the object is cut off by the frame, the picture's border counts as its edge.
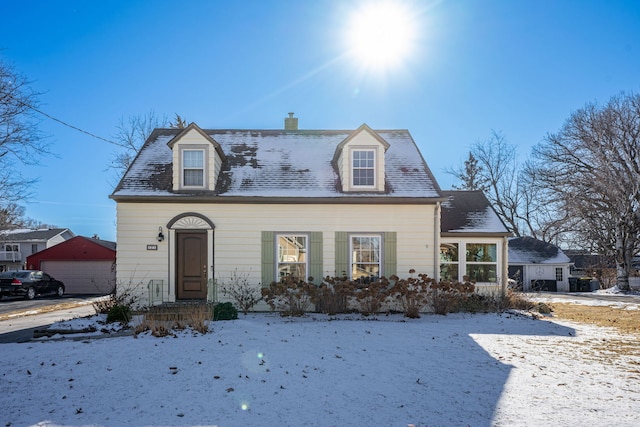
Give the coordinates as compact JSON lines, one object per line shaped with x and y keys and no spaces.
{"x":342,"y":254}
{"x":390,"y":254}
{"x":316,"y":261}
{"x":268,"y":258}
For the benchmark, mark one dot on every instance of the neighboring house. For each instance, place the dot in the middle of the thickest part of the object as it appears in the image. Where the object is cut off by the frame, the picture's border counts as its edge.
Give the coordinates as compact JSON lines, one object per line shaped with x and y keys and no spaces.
{"x":473,"y":241}
{"x":86,"y":266}
{"x":198,"y":206}
{"x":17,"y":245}
{"x":586,"y":264}
{"x":538,"y":265}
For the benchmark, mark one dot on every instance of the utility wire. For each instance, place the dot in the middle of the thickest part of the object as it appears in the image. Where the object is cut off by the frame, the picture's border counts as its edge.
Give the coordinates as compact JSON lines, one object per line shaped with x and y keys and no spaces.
{"x":31,"y":107}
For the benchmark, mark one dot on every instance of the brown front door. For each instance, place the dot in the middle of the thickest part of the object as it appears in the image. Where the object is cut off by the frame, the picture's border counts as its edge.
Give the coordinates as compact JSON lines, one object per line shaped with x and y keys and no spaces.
{"x":192,"y":265}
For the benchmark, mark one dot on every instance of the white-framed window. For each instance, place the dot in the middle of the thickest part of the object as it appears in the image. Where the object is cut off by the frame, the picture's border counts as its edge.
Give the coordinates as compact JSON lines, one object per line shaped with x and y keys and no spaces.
{"x":366,"y":256}
{"x":292,"y":258}
{"x":559,"y":274}
{"x":363,"y":168}
{"x":482,"y":262}
{"x":193,"y":168}
{"x":476,"y":261}
{"x":449,"y":261}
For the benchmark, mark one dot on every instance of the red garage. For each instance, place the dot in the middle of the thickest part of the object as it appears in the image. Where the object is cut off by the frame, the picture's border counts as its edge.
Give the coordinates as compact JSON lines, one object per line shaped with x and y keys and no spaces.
{"x":86,"y":266}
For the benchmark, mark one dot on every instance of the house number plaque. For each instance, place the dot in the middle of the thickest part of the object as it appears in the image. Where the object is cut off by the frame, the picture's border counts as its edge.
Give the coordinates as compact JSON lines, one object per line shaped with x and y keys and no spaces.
{"x":152,"y":247}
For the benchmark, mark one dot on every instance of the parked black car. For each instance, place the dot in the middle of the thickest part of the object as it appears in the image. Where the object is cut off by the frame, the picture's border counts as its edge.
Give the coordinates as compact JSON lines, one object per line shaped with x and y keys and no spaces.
{"x":29,"y":283}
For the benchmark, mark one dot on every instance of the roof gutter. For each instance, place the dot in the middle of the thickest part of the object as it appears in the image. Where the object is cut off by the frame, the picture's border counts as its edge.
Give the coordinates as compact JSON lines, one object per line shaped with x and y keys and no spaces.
{"x":280,"y":200}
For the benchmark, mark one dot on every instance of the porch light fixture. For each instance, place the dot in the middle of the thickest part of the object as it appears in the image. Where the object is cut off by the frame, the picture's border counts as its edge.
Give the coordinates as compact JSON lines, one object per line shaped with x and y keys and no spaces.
{"x":160,"y":235}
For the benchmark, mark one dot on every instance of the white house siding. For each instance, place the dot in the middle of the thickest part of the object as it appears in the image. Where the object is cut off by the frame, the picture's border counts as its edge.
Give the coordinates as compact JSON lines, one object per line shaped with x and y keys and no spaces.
{"x":238,"y":227}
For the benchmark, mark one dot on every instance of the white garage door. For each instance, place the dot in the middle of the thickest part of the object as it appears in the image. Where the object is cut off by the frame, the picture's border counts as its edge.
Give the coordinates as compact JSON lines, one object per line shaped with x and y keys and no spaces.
{"x":82,"y":277}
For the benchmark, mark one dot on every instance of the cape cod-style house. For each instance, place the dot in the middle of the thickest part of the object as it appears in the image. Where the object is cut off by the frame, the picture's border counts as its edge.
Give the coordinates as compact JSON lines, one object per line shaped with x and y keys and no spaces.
{"x":197,"y":206}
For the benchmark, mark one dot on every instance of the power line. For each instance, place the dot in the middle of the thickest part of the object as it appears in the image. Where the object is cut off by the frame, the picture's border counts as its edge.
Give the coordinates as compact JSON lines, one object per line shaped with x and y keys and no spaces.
{"x":72,"y":126}
{"x":31,"y":107}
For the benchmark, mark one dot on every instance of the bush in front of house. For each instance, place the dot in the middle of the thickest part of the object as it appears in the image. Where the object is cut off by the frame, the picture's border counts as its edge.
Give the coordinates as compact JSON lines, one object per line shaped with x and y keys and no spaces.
{"x":224,"y":311}
{"x":290,"y":296}
{"x":245,"y":295}
{"x":119,"y":313}
{"x":412,"y":293}
{"x":332,"y":296}
{"x":124,"y":295}
{"x":445,"y":295}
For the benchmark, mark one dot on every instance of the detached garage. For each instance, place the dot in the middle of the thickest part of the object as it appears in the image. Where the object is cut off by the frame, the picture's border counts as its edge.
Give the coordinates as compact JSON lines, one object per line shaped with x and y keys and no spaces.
{"x":86,"y":266}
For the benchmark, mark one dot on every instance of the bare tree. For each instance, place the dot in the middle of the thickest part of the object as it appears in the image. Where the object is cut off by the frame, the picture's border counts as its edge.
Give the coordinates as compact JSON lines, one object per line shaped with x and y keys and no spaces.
{"x":178,"y":122}
{"x":470,"y":175}
{"x":20,"y":139}
{"x":592,"y":167}
{"x":131,"y":135}
{"x":513,"y":189}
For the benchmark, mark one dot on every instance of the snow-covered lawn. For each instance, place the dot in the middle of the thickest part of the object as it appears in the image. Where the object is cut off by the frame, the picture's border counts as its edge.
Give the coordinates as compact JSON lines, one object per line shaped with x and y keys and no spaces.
{"x":264,"y":370}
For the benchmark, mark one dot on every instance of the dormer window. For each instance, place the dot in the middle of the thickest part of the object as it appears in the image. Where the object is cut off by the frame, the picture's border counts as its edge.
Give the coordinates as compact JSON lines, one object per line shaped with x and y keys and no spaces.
{"x":197,"y":160}
{"x":360,"y":161}
{"x":363,"y":168}
{"x":193,"y":168}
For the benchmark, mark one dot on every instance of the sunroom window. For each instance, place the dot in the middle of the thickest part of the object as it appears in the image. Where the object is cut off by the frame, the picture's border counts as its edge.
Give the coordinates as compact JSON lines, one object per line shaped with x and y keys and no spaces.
{"x":292,"y":256}
{"x":449,"y":261}
{"x":193,"y":168}
{"x":482,"y":262}
{"x":363,"y":168}
{"x":366,"y":257}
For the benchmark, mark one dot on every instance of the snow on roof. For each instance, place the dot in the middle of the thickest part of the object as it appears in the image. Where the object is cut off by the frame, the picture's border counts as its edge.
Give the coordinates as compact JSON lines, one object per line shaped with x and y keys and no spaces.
{"x":277,"y":163}
{"x":469,"y":212}
{"x":24,"y":235}
{"x":527,"y":250}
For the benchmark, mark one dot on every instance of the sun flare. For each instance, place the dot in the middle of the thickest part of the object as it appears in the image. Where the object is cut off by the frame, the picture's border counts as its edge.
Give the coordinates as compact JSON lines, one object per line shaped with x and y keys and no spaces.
{"x":381,"y":35}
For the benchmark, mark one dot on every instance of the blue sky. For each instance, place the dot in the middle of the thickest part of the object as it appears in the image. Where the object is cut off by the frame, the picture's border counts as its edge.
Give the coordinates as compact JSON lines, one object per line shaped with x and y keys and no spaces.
{"x":517,"y":67}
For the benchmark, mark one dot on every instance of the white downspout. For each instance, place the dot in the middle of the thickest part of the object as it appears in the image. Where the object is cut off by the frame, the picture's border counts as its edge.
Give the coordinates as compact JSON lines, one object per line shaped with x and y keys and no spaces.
{"x":436,"y":243}
{"x":505,"y":264}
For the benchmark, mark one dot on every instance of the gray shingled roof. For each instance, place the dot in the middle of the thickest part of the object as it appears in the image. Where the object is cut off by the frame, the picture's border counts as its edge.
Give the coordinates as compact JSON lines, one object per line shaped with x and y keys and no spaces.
{"x":527,"y":250}
{"x":31,"y":235}
{"x":278,"y":163}
{"x":469,"y":212}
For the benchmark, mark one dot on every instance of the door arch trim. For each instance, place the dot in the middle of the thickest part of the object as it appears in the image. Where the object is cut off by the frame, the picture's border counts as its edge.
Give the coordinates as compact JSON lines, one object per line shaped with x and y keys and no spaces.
{"x":191,"y":220}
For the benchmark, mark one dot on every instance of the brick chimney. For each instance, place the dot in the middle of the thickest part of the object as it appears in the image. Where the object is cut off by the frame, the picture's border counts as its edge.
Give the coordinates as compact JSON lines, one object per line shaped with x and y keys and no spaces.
{"x":290,"y":123}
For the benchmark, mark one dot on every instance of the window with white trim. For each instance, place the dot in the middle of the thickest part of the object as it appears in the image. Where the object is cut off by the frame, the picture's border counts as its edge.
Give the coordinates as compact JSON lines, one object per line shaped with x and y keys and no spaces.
{"x":366,"y":256}
{"x":482,"y":262}
{"x":363,"y":168}
{"x":449,"y":261}
{"x":292,"y":259}
{"x":193,"y":168}
{"x":559,"y":275}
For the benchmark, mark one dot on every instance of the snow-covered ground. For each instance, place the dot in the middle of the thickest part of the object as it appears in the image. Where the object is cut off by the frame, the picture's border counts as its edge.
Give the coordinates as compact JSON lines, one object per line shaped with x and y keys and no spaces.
{"x":264,"y":370}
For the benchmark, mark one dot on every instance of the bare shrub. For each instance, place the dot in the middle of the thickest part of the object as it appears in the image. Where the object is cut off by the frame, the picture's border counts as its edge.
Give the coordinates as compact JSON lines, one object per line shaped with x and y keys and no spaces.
{"x":445,"y":296}
{"x":245,"y":295}
{"x":290,"y":296}
{"x":332,"y":295}
{"x":413,"y":294}
{"x":369,"y":296}
{"x":123,"y":295}
{"x":163,"y":320}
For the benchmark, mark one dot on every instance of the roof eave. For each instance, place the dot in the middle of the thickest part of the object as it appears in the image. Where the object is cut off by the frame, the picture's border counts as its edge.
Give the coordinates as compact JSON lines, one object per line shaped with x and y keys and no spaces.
{"x":278,"y":200}
{"x":475,"y":234}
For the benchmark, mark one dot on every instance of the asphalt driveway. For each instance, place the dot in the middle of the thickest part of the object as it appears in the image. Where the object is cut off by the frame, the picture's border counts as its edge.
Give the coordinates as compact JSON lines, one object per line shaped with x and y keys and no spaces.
{"x":19,"y":304}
